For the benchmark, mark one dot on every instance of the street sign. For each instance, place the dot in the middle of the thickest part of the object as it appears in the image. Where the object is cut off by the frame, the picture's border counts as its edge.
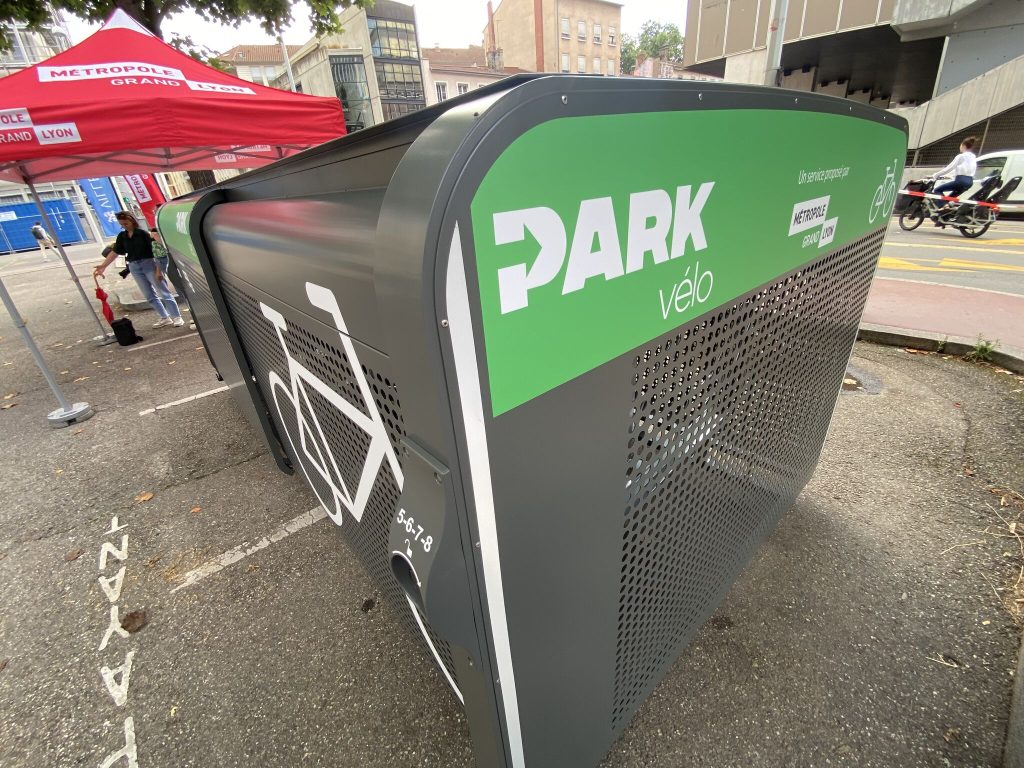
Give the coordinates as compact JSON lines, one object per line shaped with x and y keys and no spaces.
{"x":553,"y":362}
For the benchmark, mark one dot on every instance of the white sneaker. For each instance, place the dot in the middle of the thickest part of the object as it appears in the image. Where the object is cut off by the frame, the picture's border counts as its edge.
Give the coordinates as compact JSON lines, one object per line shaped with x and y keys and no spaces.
{"x":164,"y":321}
{"x":178,"y":322}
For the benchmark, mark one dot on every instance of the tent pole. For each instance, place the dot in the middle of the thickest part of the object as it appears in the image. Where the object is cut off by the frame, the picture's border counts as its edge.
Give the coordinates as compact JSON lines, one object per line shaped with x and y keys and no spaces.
{"x":67,"y":414}
{"x":103,"y":338}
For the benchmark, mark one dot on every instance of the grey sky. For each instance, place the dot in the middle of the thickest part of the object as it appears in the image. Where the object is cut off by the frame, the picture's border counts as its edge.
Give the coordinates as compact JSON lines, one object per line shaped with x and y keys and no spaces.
{"x":449,"y":23}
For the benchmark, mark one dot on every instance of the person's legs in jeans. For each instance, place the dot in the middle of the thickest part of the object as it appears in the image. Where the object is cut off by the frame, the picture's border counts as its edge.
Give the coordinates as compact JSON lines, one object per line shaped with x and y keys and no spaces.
{"x":953,"y":188}
{"x":163,"y":291}
{"x":144,"y":272}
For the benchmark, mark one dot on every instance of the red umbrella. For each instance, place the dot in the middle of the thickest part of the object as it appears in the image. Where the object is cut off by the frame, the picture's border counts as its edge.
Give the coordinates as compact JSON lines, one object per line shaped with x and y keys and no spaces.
{"x":102,"y":296}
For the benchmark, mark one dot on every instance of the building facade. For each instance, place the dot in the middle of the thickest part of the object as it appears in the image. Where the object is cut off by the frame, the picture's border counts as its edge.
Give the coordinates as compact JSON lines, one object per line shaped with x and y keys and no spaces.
{"x":579,"y":36}
{"x":261,"y":64}
{"x":373,"y":66}
{"x":30,"y":46}
{"x":951,"y":68}
{"x":449,"y":72}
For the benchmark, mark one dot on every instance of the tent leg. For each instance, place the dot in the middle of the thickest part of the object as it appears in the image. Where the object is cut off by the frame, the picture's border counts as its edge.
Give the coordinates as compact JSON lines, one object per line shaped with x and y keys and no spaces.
{"x":104,"y":337}
{"x":68,"y":413}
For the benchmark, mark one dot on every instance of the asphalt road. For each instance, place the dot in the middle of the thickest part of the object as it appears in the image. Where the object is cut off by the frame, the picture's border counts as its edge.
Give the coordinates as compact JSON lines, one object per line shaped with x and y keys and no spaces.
{"x":870,"y":630}
{"x":993,"y":262}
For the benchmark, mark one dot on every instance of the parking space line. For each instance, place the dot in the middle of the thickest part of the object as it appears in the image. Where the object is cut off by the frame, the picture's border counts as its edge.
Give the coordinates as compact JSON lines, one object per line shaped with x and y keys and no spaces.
{"x":136,"y":348}
{"x":243,"y":550}
{"x":183,"y":401}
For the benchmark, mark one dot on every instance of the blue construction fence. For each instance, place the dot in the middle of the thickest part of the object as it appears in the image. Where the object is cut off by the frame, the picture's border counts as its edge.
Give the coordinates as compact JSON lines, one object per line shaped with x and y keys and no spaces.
{"x":17,"y":219}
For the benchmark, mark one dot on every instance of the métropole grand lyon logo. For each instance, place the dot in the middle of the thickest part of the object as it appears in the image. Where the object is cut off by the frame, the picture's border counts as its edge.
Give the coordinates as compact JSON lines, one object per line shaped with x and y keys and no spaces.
{"x":16,"y":126}
{"x":659,"y":224}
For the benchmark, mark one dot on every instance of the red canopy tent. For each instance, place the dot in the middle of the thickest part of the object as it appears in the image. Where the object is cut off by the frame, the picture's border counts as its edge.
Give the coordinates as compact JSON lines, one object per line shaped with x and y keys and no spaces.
{"x":122,"y":101}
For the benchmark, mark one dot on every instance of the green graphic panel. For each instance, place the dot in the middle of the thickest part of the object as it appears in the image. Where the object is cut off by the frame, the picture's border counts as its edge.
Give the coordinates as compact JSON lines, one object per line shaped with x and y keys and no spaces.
{"x":172,"y":220}
{"x":595,"y":234}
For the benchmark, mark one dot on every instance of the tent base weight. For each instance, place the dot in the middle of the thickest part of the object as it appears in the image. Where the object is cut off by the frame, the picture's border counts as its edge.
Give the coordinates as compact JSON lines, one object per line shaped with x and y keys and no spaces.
{"x":65,"y":417}
{"x":102,"y":341}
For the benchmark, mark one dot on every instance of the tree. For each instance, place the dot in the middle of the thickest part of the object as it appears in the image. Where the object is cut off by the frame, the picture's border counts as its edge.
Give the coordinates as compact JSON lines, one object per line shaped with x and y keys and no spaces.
{"x":656,"y":40}
{"x":273,"y":15}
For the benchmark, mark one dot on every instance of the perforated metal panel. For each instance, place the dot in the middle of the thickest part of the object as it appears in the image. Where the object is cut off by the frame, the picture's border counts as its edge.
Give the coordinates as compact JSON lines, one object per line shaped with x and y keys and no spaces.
{"x":726,"y":421}
{"x":367,"y":538}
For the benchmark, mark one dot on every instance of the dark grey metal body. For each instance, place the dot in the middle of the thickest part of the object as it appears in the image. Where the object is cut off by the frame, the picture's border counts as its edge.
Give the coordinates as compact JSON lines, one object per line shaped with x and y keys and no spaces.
{"x":612,"y":554}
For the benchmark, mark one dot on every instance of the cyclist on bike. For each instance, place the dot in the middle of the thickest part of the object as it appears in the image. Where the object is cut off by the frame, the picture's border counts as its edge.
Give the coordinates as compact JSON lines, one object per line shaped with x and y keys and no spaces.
{"x":963,"y":168}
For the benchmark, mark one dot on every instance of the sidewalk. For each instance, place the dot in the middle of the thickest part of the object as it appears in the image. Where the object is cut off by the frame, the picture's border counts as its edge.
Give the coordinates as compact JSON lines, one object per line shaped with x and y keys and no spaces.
{"x":943,"y":310}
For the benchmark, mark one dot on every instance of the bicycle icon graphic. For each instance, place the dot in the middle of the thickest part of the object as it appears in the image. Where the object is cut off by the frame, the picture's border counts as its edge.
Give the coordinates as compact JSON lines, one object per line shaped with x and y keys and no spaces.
{"x":310,"y":445}
{"x":885,"y":196}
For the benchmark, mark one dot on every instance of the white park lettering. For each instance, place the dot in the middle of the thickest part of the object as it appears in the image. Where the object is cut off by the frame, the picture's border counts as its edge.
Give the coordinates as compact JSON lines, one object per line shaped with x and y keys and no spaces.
{"x":656,"y":225}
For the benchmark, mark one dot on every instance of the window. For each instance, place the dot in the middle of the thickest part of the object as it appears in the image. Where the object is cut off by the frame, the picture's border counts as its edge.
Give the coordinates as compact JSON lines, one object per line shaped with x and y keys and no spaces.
{"x":988,"y":166}
{"x":611,"y":67}
{"x":392,"y":109}
{"x":565,"y":62}
{"x":597,"y":66}
{"x":565,"y":27}
{"x":399,"y":81}
{"x":393,"y":39}
{"x":462,"y":88}
{"x":349,"y":75}
{"x":611,"y":35}
{"x":442,"y":90}
{"x":581,"y":63}
{"x":581,"y":30}
{"x":597,"y":33}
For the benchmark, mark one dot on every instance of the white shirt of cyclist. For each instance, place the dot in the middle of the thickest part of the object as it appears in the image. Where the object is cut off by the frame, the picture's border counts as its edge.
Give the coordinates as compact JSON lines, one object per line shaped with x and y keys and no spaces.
{"x":964,"y":164}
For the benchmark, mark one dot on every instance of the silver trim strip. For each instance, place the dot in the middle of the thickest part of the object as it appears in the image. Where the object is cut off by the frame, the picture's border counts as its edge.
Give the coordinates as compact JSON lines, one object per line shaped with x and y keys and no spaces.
{"x":460,"y":326}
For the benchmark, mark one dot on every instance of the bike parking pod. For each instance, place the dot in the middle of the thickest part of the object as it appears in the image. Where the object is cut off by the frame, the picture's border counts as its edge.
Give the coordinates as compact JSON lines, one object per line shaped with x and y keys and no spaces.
{"x":548,"y":372}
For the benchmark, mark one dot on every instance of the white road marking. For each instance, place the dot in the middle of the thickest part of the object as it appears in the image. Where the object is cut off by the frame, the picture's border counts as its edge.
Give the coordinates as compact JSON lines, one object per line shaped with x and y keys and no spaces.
{"x":137,"y":347}
{"x":245,"y":549}
{"x":948,"y":285}
{"x":118,"y":689}
{"x":183,"y":401}
{"x":127,"y":752}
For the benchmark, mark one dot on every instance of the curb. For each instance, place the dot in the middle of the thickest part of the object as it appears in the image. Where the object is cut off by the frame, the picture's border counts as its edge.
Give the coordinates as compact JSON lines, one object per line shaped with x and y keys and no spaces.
{"x":1011,"y":360}
{"x":1005,"y":357}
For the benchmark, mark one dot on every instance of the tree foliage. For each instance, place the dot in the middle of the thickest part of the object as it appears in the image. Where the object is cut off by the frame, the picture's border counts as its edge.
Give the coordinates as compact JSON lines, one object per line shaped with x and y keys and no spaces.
{"x":656,"y":40}
{"x":273,"y":15}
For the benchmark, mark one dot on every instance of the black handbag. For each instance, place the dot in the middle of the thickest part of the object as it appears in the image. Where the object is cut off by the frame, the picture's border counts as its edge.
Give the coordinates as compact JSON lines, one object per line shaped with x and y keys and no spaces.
{"x":125,"y":333}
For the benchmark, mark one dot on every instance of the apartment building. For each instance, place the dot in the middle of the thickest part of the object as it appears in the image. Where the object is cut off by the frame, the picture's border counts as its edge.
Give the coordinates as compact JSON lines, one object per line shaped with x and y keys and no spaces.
{"x":579,"y":36}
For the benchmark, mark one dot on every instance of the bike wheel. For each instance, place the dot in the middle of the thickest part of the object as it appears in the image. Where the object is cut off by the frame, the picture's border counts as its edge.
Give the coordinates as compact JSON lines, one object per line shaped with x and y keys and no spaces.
{"x":888,"y":201}
{"x":979,"y":226}
{"x":912,"y":219}
{"x":876,"y":202}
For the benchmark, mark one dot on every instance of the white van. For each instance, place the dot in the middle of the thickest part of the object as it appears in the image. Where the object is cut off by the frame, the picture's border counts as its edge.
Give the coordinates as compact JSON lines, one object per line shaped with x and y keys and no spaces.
{"x":1007,"y":164}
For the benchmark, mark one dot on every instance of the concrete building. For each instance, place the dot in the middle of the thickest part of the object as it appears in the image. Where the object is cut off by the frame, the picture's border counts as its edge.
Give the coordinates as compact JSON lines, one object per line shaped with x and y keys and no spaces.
{"x":261,"y":64}
{"x":951,"y":67}
{"x":373,"y":66}
{"x":580,"y":36}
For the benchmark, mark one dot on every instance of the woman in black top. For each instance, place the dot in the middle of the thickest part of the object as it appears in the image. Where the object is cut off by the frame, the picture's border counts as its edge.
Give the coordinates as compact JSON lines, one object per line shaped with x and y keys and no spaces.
{"x":136,"y":245}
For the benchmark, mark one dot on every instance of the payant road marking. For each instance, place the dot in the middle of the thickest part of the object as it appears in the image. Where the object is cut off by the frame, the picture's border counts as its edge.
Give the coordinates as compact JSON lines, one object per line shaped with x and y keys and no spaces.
{"x":913,"y":265}
{"x":137,"y":347}
{"x":183,"y":400}
{"x":245,"y":549}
